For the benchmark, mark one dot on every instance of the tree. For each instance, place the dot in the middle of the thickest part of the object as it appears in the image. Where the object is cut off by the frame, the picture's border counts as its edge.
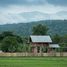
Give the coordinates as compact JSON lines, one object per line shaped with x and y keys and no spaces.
{"x":64,"y":38}
{"x":8,"y":33}
{"x":5,"y":34}
{"x":64,"y":41}
{"x":40,"y":29}
{"x":10,"y":44}
{"x":56,"y":38}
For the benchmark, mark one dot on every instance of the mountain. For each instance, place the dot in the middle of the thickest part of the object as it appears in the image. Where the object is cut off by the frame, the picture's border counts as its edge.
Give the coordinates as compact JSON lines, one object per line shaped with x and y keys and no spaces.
{"x":34,"y":16}
{"x":23,"y":17}
{"x":31,"y":16}
{"x":62,"y":14}
{"x":55,"y":27}
{"x":37,"y":16}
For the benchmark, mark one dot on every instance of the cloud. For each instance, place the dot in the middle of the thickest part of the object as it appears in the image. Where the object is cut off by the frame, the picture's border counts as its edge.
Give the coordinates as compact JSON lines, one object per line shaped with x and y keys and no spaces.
{"x":21,"y":2}
{"x":33,"y":2}
{"x":12,"y":13}
{"x":10,"y":9}
{"x":58,"y":2}
{"x":10,"y":18}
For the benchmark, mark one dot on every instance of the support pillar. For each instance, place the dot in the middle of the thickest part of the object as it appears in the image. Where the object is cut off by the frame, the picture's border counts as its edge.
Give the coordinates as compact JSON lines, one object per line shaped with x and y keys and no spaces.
{"x":35,"y":49}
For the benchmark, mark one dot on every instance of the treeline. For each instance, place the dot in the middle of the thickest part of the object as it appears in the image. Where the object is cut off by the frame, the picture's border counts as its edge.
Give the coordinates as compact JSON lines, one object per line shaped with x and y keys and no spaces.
{"x":11,"y":42}
{"x":60,"y":39}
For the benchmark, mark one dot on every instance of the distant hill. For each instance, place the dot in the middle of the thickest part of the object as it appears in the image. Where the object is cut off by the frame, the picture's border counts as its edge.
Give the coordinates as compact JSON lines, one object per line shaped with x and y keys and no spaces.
{"x":55,"y":26}
{"x":34,"y":16}
{"x":26,"y":17}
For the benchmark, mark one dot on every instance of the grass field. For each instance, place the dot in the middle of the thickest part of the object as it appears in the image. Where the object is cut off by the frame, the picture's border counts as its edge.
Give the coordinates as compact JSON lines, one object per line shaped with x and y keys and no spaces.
{"x":33,"y":61}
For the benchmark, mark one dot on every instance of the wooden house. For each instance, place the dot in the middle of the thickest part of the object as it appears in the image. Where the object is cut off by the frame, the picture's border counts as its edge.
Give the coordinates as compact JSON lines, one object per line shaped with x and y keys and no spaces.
{"x":38,"y":42}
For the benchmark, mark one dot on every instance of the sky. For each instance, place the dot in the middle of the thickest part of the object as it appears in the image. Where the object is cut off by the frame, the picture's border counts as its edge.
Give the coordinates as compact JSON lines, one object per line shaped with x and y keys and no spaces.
{"x":10,"y":10}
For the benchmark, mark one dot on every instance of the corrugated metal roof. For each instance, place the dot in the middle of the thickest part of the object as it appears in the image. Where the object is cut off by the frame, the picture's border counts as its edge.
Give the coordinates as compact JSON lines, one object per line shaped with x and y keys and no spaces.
{"x":54,"y":45}
{"x":41,"y":39}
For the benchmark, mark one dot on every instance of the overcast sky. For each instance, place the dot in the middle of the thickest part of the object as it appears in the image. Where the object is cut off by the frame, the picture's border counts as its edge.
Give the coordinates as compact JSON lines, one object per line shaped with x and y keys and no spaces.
{"x":10,"y":9}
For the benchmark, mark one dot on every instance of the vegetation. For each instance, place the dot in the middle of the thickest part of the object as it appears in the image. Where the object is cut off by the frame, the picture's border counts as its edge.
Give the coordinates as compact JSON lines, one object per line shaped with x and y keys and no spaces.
{"x":57,"y":38}
{"x":33,"y":61}
{"x":11,"y":42}
{"x":40,"y":29}
{"x":61,"y":40}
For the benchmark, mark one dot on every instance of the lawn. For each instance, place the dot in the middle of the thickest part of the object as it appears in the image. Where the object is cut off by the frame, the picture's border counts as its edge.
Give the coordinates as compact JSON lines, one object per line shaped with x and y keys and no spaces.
{"x":33,"y":61}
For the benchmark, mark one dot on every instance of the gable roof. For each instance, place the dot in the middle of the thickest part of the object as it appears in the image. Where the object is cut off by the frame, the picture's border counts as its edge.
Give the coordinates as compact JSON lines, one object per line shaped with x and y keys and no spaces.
{"x":54,"y":45}
{"x":44,"y":39}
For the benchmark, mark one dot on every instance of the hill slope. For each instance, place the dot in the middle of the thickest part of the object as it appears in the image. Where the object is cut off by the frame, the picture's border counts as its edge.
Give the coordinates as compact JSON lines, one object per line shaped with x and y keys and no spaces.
{"x":55,"y":26}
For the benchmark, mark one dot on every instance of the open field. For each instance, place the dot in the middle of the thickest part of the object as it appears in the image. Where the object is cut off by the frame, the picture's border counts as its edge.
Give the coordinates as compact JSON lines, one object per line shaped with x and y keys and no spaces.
{"x":33,"y":61}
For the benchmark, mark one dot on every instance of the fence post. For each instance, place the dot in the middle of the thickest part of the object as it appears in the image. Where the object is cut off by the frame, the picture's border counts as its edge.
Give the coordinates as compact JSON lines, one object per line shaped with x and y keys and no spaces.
{"x":61,"y":51}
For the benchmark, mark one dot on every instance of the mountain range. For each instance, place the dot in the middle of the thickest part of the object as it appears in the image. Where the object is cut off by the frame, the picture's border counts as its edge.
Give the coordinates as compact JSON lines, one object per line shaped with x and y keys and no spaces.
{"x":25,"y":29}
{"x":26,"y":17}
{"x":36,"y":16}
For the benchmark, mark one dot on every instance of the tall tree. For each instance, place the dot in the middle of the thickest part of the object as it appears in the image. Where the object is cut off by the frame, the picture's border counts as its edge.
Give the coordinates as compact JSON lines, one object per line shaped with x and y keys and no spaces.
{"x":56,"y":38}
{"x":5,"y":34}
{"x":11,"y":44}
{"x":40,"y":29}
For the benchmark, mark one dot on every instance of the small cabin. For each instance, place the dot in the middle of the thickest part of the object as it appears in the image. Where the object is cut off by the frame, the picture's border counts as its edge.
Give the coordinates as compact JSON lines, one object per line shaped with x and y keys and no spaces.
{"x":53,"y":47}
{"x":38,"y":42}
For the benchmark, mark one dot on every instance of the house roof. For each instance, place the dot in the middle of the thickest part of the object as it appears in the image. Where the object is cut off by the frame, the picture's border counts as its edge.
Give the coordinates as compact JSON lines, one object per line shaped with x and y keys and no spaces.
{"x":54,"y":45}
{"x":40,"y":39}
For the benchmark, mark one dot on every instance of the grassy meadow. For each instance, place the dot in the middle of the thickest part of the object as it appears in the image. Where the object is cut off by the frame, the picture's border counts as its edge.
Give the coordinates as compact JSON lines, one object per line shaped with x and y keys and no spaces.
{"x":33,"y":61}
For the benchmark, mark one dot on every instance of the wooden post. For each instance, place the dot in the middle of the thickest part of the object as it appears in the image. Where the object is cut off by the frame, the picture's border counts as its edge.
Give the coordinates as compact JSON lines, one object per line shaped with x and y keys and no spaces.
{"x":41,"y":50}
{"x":35,"y":50}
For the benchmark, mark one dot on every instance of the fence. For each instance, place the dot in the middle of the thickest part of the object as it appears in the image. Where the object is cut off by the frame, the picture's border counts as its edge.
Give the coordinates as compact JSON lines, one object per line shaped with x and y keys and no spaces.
{"x":32,"y":54}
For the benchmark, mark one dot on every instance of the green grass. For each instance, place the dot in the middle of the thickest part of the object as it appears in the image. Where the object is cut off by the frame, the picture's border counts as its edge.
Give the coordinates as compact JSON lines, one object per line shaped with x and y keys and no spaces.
{"x":33,"y":61}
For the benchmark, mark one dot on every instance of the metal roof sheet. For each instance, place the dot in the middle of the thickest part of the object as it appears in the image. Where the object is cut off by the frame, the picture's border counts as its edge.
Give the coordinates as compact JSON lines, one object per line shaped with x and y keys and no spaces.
{"x":54,"y":45}
{"x":41,"y":39}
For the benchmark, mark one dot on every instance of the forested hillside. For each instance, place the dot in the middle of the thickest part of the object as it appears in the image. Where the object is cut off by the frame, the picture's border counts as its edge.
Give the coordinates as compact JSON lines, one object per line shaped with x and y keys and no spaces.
{"x":55,"y":27}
